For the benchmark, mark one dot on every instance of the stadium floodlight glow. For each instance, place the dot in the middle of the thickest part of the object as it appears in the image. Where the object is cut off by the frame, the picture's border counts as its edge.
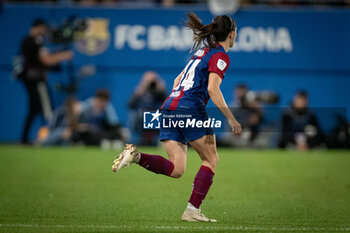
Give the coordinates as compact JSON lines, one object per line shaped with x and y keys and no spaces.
{"x":223,"y":7}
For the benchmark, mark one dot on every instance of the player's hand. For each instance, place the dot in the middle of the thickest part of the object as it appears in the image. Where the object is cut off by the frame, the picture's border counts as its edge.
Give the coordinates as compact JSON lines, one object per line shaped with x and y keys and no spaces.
{"x":236,"y":127}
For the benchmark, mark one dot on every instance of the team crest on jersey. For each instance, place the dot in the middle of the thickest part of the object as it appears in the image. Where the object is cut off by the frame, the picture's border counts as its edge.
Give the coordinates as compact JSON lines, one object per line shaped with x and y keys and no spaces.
{"x":221,"y":64}
{"x":199,"y":53}
{"x":96,"y":38}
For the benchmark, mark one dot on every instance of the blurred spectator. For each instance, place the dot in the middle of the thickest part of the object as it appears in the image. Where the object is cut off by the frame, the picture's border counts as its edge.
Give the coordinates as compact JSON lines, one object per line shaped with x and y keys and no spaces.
{"x":34,"y":74}
{"x":62,"y":124}
{"x":98,"y":121}
{"x":339,"y":137}
{"x":247,"y":110}
{"x":149,"y":94}
{"x":299,"y":125}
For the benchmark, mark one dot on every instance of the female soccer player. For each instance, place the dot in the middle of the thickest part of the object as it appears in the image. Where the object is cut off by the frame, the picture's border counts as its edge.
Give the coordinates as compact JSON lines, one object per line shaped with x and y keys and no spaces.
{"x":200,"y":80}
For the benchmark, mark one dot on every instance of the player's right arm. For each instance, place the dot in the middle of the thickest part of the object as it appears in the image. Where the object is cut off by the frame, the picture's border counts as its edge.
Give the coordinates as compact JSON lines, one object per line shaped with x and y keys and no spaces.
{"x":178,"y":79}
{"x":219,"y":101}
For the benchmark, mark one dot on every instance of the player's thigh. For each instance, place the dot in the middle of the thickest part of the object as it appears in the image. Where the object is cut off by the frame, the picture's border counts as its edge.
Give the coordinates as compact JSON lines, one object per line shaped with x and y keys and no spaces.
{"x":206,"y":149}
{"x":177,"y":153}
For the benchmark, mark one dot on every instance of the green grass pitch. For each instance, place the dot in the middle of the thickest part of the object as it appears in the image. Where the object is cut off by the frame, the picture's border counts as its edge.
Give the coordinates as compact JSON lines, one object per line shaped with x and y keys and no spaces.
{"x":74,"y":190}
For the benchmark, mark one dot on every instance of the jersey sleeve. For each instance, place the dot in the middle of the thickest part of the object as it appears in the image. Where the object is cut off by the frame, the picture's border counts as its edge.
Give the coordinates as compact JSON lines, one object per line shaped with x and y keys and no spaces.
{"x":219,"y":63}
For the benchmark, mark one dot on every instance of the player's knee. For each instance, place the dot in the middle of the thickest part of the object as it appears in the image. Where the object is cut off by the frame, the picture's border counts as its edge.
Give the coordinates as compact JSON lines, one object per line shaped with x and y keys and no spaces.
{"x":177,"y":172}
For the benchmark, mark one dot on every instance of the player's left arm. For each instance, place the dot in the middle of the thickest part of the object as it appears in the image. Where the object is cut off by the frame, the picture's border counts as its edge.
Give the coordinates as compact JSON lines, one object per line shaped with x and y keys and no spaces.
{"x":218,"y":65}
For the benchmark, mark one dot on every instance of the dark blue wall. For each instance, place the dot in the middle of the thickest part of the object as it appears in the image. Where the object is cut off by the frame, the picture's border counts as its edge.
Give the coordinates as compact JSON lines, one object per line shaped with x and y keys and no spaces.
{"x":281,"y":50}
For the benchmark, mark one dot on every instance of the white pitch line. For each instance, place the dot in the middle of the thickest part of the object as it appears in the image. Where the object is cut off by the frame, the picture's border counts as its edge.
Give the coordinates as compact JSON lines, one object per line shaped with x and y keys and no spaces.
{"x":204,"y":228}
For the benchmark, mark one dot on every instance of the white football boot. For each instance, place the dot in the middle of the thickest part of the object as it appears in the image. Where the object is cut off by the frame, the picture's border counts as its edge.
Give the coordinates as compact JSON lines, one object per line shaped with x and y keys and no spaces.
{"x":126,"y":158}
{"x":195,"y":215}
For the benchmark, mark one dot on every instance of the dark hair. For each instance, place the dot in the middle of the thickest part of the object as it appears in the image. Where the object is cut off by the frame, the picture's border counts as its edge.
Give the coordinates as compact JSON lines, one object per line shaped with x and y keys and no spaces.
{"x":211,"y":33}
{"x":38,"y":22}
{"x":241,"y":85}
{"x":102,"y":94}
{"x":302,"y":93}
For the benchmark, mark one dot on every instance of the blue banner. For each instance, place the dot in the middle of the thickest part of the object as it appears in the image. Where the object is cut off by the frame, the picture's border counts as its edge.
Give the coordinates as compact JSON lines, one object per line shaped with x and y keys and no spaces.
{"x":268,"y":39}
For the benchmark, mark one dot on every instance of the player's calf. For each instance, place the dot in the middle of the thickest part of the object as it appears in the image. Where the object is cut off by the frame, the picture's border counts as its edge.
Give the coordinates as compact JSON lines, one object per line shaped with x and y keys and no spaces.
{"x":156,"y":164}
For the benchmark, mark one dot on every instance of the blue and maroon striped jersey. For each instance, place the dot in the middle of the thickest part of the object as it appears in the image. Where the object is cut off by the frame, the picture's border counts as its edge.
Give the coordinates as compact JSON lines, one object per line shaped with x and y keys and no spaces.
{"x":192,"y":91}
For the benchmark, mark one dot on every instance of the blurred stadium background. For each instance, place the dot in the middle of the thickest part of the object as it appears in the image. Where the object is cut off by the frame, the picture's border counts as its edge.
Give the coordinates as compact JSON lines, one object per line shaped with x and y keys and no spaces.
{"x":127,"y":53}
{"x":282,"y":47}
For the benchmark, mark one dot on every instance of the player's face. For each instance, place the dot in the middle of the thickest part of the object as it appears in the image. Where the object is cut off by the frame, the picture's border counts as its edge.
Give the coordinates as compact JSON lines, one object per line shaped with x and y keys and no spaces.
{"x":233,"y":38}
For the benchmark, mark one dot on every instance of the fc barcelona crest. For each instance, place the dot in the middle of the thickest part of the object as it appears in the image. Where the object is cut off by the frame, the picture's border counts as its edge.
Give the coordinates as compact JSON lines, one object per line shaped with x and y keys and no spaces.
{"x":96,"y":38}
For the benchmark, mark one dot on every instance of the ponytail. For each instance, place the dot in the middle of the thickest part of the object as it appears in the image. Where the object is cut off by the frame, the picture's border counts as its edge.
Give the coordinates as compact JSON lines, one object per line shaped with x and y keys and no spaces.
{"x":209,"y":34}
{"x":201,"y":33}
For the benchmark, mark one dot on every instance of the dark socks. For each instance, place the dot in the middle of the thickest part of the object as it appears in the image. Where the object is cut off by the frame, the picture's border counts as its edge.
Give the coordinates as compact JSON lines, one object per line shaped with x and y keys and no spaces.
{"x":156,"y":164}
{"x":201,"y":185}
